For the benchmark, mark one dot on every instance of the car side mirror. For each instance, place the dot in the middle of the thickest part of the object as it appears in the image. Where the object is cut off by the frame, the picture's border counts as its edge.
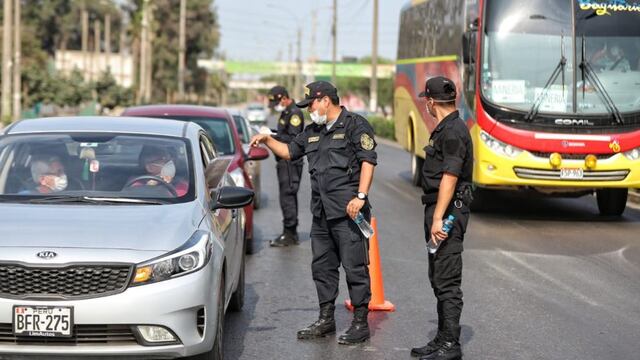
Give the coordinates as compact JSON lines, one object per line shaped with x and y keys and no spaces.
{"x":257,"y":153}
{"x":231,"y":197}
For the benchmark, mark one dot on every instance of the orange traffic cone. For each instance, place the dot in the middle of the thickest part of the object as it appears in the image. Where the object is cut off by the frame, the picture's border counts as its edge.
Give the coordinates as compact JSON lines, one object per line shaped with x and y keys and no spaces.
{"x":377,"y":303}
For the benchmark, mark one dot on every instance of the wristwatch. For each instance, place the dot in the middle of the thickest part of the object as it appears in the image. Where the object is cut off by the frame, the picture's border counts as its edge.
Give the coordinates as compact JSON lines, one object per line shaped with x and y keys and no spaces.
{"x":362,"y":196}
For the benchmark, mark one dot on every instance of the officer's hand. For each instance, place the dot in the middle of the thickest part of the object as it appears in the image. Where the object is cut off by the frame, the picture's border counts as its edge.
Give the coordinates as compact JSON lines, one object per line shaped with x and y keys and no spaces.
{"x":258,"y":139}
{"x":436,"y":230}
{"x":354,"y":206}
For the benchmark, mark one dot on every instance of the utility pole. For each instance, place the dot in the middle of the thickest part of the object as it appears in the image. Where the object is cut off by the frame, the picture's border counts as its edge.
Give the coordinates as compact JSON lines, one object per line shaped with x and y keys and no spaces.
{"x":312,"y":58}
{"x":142,"y":80}
{"x":289,"y":75}
{"x":95,"y":66}
{"x":85,"y":41}
{"x":6,"y":60}
{"x":149,"y":71}
{"x":17,"y":72}
{"x":334,"y":34}
{"x":298,"y":85}
{"x":122,"y":53}
{"x":373,"y":103}
{"x":107,"y":40}
{"x":182,"y":45}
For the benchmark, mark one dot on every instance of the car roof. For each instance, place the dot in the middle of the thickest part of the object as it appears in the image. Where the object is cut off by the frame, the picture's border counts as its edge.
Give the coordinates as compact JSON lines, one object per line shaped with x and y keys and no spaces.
{"x":180,"y":110}
{"x":111,"y":124}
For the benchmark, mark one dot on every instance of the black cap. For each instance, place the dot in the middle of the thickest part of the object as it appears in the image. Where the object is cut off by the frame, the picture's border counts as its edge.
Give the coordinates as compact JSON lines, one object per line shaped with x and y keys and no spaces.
{"x":439,"y":88}
{"x":317,"y":90}
{"x":276,"y":94}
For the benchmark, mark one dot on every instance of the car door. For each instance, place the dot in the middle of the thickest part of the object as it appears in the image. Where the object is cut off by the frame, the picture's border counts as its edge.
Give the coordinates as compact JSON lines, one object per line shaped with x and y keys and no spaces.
{"x":225,"y":220}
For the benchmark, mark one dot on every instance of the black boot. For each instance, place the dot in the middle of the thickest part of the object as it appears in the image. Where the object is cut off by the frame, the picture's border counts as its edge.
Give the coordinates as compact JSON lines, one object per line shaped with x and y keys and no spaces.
{"x":448,"y":351}
{"x":431,"y":347}
{"x":285,"y":239}
{"x":359,"y":330}
{"x":293,"y":233}
{"x":325,"y":325}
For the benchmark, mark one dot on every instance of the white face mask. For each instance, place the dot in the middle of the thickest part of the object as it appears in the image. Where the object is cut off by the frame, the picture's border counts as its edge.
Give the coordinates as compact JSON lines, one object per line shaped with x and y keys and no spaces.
{"x":60,"y":183}
{"x":168,"y":170}
{"x":318,"y":119}
{"x":279,"y":108}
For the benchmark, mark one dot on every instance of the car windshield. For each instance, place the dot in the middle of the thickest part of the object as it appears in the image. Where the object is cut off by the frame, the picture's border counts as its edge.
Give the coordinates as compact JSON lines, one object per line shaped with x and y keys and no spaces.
{"x":243,"y":130}
{"x":117,"y":167}
{"x":217,"y":128}
{"x":526,"y":40}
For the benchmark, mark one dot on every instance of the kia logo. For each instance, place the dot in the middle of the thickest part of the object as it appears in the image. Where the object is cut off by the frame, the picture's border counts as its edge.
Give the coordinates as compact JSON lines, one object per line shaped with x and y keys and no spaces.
{"x":46,"y":255}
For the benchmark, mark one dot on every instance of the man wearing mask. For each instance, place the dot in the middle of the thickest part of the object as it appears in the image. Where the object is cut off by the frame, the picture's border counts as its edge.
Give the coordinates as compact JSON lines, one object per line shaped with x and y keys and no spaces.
{"x":290,"y":124}
{"x":339,"y":146}
{"x":48,"y":176}
{"x":447,"y":176}
{"x":159,"y":163}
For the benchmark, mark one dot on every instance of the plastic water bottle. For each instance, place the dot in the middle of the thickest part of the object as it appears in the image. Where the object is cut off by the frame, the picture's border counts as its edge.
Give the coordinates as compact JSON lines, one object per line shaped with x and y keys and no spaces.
{"x":447,"y":225}
{"x":363,"y":225}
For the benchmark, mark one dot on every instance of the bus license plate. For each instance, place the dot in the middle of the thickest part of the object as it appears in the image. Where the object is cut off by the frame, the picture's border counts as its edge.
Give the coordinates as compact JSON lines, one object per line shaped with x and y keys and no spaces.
{"x":572,"y":174}
{"x":42,"y":321}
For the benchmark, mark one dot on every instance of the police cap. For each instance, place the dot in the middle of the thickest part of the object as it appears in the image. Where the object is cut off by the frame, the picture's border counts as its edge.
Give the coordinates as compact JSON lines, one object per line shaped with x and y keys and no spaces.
{"x":317,"y":90}
{"x":276,"y":94}
{"x":439,"y":88}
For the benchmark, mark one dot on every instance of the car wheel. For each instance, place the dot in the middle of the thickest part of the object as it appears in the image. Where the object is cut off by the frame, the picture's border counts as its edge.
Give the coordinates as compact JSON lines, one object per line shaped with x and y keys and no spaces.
{"x":248,"y":245}
{"x":612,"y":202}
{"x":237,"y":299}
{"x":256,"y":189}
{"x":217,"y":352}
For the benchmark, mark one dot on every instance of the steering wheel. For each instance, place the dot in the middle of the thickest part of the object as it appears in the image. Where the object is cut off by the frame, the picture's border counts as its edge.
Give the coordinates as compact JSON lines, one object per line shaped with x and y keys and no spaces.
{"x":158,"y":179}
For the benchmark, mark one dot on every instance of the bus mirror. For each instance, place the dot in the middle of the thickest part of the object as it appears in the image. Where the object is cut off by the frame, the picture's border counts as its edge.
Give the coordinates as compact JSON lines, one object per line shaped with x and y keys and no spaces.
{"x":469,"y":47}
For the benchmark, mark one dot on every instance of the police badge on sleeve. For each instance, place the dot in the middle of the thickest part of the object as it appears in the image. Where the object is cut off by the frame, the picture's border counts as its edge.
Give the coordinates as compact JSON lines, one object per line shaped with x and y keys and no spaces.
{"x":367,"y":142}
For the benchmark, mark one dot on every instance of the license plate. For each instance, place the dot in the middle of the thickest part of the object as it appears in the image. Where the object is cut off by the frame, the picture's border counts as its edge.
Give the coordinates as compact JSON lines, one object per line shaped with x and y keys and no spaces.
{"x":573,"y":174}
{"x":42,"y":321}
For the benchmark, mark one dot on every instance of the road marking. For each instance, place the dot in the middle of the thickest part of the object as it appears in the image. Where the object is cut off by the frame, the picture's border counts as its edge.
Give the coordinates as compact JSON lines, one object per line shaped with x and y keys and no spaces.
{"x":393,"y":187}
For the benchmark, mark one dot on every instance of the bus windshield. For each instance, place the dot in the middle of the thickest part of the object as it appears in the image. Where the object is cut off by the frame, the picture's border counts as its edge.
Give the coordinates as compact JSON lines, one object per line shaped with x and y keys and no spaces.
{"x":525,"y":42}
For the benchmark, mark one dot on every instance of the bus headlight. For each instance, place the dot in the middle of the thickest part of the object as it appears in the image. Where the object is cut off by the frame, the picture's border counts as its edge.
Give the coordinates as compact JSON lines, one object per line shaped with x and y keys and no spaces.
{"x":499,"y":147}
{"x":633,"y":154}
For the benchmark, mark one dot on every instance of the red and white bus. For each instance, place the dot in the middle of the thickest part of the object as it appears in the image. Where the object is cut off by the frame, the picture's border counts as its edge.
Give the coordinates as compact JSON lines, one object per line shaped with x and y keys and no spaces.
{"x":550,"y":90}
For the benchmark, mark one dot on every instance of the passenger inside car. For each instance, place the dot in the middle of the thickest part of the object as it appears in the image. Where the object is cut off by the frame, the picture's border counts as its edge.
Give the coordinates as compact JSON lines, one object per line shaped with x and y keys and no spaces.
{"x":48,"y":176}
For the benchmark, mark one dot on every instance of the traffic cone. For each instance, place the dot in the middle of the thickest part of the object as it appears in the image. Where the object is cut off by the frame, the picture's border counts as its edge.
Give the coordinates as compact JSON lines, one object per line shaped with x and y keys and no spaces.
{"x":377,"y":303}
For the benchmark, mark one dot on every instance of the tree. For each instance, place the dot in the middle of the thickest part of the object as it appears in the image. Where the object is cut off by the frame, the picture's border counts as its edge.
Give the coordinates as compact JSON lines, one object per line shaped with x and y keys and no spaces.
{"x":110,"y":94}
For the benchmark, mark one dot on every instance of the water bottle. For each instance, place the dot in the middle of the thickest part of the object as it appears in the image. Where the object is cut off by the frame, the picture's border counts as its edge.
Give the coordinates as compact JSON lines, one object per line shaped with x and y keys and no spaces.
{"x":447,"y":225}
{"x":363,"y":225}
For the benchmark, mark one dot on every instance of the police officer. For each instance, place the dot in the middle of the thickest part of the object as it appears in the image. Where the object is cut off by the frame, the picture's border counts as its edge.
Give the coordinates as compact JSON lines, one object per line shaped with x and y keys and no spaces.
{"x":446,"y":183}
{"x":339,"y":146}
{"x":290,"y":124}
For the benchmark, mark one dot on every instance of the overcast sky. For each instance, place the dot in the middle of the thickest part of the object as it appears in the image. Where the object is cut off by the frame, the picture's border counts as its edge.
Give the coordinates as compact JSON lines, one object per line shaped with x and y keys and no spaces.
{"x":262,"y":29}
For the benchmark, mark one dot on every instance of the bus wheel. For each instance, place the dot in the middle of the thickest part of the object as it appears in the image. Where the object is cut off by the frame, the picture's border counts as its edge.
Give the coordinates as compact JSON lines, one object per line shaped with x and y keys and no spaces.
{"x":416,"y":170}
{"x":611,"y":202}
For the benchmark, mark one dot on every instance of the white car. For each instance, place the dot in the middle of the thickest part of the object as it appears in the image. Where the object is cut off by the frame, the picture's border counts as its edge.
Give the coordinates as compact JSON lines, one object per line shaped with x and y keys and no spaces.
{"x":257,"y":113}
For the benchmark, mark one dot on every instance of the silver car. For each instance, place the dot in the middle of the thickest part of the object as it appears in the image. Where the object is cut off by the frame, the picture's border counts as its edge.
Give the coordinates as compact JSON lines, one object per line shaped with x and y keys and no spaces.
{"x":119,"y":237}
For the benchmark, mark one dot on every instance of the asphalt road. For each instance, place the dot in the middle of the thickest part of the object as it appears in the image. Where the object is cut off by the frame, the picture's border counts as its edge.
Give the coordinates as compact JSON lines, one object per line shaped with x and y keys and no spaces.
{"x":543,"y":278}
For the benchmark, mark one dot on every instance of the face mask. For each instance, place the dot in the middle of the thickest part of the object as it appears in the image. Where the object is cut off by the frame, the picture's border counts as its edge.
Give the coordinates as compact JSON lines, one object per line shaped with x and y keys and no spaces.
{"x":279,"y":108}
{"x":318,"y":119}
{"x":60,"y":183}
{"x":168,"y":170}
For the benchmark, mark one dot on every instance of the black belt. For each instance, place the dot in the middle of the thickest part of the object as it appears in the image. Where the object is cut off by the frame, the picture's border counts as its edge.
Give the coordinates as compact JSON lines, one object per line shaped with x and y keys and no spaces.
{"x":463,"y":194}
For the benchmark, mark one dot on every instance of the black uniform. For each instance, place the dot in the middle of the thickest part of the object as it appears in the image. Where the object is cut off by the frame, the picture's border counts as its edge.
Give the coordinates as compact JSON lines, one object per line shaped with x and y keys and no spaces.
{"x":290,"y":124}
{"x":335,"y":158}
{"x":450,"y":150}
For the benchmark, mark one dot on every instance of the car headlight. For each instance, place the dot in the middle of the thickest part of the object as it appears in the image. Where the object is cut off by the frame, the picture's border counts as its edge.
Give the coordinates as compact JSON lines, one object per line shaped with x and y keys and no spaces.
{"x":633,"y":154}
{"x":188,"y":258}
{"x":499,"y":147}
{"x":238,"y":177}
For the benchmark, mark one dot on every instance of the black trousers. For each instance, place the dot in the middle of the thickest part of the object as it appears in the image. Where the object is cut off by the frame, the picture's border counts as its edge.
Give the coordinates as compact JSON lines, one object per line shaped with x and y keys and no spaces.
{"x":445,"y":274}
{"x":289,"y":174}
{"x":335,"y":242}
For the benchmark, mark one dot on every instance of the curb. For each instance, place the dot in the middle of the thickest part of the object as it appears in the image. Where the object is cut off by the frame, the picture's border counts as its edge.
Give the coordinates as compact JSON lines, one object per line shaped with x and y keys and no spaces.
{"x":634,"y":196}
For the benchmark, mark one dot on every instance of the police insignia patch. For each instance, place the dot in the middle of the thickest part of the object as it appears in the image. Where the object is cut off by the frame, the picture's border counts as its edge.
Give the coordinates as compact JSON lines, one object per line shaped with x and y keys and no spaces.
{"x":366,"y":141}
{"x":295,"y":120}
{"x":282,"y":122}
{"x":307,"y":91}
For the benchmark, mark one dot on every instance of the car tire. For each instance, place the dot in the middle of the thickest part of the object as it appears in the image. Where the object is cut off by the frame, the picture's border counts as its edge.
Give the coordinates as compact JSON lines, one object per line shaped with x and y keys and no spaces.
{"x":249,"y":249}
{"x":217,"y":352}
{"x":612,"y":202}
{"x":237,"y":299}
{"x":416,"y":170}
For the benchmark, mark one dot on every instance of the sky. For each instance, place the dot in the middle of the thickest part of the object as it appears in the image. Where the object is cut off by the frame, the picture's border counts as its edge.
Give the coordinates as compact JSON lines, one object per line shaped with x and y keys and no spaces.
{"x":262,"y":29}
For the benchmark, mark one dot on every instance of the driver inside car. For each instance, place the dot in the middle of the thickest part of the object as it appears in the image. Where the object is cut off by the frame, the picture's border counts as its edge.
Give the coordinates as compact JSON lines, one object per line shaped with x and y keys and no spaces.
{"x":159,"y":166}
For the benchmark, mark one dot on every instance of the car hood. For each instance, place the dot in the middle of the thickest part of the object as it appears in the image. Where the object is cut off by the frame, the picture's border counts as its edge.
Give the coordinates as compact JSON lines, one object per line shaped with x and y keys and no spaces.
{"x":155,"y":228}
